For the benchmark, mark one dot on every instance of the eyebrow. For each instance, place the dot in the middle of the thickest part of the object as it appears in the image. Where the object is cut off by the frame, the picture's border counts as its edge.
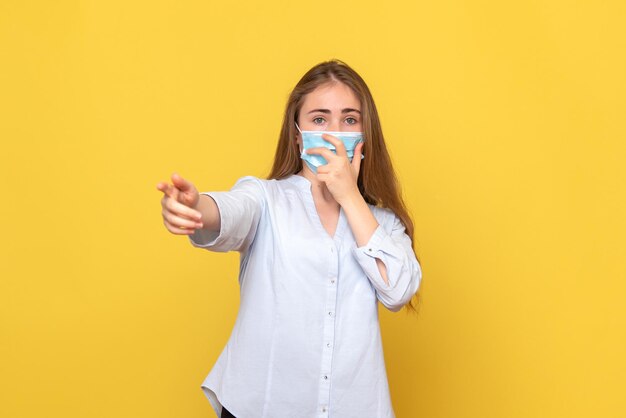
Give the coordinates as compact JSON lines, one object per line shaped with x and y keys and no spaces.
{"x":346,"y":110}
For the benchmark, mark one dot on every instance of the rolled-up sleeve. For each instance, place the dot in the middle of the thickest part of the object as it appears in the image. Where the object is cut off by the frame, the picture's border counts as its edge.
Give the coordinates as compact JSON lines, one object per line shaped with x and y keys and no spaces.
{"x":403,"y":270}
{"x":240,"y":210}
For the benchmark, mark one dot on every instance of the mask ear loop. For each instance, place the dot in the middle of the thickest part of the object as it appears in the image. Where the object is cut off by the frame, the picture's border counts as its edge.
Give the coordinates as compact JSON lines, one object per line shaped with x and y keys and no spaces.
{"x":298,"y":127}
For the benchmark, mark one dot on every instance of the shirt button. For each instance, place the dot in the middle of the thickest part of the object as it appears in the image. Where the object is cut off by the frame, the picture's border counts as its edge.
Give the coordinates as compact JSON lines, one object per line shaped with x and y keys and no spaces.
{"x":332,"y":281}
{"x":332,"y":250}
{"x":323,"y":409}
{"x":330,"y":313}
{"x":328,"y":345}
{"x":370,"y":250}
{"x":325,"y":377}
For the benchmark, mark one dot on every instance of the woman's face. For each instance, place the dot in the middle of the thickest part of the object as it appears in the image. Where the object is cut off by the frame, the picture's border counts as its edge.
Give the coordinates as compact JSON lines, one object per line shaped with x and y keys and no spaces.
{"x":330,"y":107}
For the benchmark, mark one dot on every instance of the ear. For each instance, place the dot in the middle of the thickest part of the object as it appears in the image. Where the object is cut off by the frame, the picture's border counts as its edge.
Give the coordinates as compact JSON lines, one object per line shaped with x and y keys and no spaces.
{"x":299,"y":144}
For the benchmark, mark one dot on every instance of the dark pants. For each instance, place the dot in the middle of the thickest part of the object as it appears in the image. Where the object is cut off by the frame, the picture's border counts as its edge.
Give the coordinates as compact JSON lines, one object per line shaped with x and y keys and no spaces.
{"x":226,"y":414}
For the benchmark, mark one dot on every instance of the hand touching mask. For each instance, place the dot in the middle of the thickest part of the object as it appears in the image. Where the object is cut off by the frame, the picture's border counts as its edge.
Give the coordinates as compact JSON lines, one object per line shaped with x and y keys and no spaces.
{"x":313,"y":139}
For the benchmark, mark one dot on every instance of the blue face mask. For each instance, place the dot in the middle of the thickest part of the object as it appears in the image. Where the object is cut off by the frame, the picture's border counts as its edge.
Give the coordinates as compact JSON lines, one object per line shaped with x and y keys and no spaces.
{"x":313,"y":139}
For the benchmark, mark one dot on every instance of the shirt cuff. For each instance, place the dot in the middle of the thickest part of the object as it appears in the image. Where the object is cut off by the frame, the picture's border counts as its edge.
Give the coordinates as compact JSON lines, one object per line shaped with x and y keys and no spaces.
{"x":367,"y":254}
{"x":380,"y":242}
{"x":209,"y":239}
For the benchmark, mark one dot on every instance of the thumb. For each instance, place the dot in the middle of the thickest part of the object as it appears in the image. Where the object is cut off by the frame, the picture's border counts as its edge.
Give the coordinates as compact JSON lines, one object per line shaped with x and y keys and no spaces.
{"x":181,"y":184}
{"x":186,"y":192}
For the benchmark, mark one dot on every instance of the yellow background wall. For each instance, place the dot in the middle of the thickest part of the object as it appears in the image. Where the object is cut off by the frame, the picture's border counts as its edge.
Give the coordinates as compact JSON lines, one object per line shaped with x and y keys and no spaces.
{"x":506,"y":124}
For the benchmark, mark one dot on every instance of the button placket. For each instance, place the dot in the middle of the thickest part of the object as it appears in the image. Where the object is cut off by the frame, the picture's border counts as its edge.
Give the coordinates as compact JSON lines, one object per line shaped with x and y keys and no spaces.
{"x":329,"y":332}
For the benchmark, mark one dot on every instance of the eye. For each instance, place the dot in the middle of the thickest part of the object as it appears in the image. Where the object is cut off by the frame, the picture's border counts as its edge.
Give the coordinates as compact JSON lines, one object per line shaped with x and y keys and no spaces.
{"x":318,"y":118}
{"x":353,"y":121}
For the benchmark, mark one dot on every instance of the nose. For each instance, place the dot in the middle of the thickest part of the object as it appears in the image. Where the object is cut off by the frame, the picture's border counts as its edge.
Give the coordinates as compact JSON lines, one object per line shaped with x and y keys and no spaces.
{"x":333,"y":126}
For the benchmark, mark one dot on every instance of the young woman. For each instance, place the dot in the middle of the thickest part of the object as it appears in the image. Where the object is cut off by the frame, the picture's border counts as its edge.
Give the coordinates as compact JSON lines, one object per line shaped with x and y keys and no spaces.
{"x":320,"y":243}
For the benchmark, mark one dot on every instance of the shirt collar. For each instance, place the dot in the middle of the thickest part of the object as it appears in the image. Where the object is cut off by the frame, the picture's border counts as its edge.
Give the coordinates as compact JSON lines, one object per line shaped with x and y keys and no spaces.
{"x":300,"y":181}
{"x":303,"y":184}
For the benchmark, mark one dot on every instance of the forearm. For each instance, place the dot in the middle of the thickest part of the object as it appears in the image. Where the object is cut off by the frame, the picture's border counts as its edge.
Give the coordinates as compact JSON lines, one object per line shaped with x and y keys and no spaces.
{"x":363,"y":224}
{"x":210,"y":213}
{"x":360,"y":217}
{"x":230,"y":218}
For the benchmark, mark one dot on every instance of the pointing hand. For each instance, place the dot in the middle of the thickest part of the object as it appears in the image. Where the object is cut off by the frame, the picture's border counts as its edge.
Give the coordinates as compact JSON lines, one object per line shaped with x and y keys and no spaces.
{"x":179,"y":202}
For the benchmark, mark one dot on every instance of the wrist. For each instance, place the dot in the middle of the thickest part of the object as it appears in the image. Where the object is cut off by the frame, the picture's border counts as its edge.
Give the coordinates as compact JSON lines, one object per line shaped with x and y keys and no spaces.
{"x":352,"y":200}
{"x":360,"y":217}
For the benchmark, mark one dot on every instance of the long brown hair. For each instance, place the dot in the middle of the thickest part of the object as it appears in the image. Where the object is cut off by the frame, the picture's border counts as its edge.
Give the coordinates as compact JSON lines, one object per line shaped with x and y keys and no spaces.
{"x":377,"y":180}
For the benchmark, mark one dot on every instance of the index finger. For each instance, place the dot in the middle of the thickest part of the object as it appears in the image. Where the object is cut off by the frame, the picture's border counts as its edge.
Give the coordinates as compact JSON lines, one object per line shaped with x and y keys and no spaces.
{"x":169,"y":190}
{"x":166,"y":188}
{"x":339,"y":146}
{"x":324,"y":152}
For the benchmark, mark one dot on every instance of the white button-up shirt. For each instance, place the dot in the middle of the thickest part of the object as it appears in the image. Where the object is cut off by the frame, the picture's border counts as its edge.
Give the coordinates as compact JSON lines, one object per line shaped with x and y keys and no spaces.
{"x":306,"y":341}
